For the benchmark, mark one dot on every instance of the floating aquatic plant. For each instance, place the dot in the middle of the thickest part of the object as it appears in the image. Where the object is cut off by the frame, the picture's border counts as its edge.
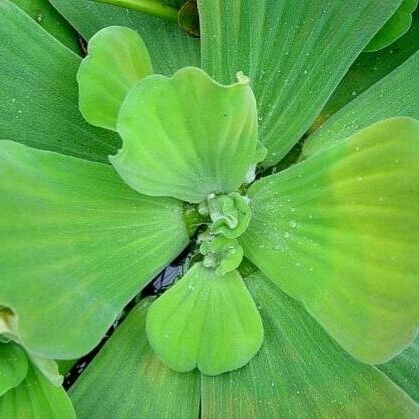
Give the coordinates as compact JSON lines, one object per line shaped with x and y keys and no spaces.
{"x":301,"y":272}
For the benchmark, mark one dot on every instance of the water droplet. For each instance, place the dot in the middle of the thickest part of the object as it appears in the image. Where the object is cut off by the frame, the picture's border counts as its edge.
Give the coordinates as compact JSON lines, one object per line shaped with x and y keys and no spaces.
{"x":293,"y":224}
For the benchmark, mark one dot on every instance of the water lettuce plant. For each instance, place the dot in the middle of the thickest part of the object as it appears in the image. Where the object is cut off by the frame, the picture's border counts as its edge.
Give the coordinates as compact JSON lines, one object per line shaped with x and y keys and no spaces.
{"x":298,"y":294}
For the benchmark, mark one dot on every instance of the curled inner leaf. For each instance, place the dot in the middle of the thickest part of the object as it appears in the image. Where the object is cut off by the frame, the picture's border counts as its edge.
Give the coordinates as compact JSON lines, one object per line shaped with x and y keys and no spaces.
{"x":222,"y":254}
{"x":230,"y":214}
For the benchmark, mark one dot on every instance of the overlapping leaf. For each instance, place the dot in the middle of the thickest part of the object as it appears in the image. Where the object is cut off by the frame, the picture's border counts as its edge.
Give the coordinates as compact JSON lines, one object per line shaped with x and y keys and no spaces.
{"x":194,"y":137}
{"x":36,"y":398}
{"x":117,"y":60}
{"x":300,"y":372}
{"x":294,"y":56}
{"x":205,"y":321}
{"x":339,"y":232}
{"x":395,"y":27}
{"x":369,"y":68}
{"x":13,"y":366}
{"x":77,"y":245}
{"x":47,"y":16}
{"x":395,"y":95}
{"x":404,"y":370}
{"x":170,"y":47}
{"x":38,"y":91}
{"x":126,"y":379}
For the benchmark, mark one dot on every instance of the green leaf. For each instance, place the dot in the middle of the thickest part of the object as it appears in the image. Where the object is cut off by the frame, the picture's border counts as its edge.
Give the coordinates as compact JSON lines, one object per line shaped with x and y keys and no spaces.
{"x":294,"y":56}
{"x":404,"y":370}
{"x":76,"y":245}
{"x":195,"y":137}
{"x":47,"y":17}
{"x":65,"y":365}
{"x":370,"y":68}
{"x":36,"y":398}
{"x":48,"y":368}
{"x":205,"y":321}
{"x":13,"y":366}
{"x":117,"y":60}
{"x":339,"y":232}
{"x":395,"y":95}
{"x":300,"y":373}
{"x":127,"y":380}
{"x":170,"y":47}
{"x":230,"y":214}
{"x":220,"y":253}
{"x":38,"y":91}
{"x":395,"y":27}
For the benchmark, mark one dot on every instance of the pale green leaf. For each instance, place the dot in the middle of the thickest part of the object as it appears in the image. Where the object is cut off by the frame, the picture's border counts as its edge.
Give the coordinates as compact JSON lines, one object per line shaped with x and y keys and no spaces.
{"x":339,"y":232}
{"x":170,"y":47}
{"x":395,"y":95}
{"x":195,"y":137}
{"x":38,"y":91}
{"x":127,"y":380}
{"x":294,"y":56}
{"x":76,"y":245}
{"x":395,"y":27}
{"x":36,"y":398}
{"x":404,"y":370}
{"x":47,"y":16}
{"x":300,"y":373}
{"x":117,"y":60}
{"x":220,"y":253}
{"x":205,"y":321}
{"x":13,"y":366}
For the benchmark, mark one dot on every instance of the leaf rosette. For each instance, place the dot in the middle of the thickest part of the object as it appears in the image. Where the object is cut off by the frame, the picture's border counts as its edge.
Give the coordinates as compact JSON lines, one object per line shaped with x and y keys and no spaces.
{"x":336,"y":232}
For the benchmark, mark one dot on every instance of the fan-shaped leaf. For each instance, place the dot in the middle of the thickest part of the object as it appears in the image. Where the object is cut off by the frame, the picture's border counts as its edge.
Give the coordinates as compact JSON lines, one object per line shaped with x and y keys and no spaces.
{"x":300,"y":372}
{"x":186,"y":136}
{"x":117,"y":60}
{"x":339,"y":232}
{"x":205,"y":321}
{"x":127,"y":380}
{"x":76,"y":244}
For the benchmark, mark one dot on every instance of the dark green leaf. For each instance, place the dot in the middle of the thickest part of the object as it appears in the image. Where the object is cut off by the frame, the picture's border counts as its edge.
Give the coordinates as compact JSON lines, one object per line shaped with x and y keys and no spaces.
{"x":13,"y":366}
{"x":404,"y":370}
{"x":395,"y":27}
{"x":38,"y":91}
{"x":395,"y":95}
{"x":46,"y":16}
{"x":36,"y":398}
{"x":294,"y":56}
{"x":170,"y":47}
{"x":127,"y":380}
{"x":370,"y":68}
